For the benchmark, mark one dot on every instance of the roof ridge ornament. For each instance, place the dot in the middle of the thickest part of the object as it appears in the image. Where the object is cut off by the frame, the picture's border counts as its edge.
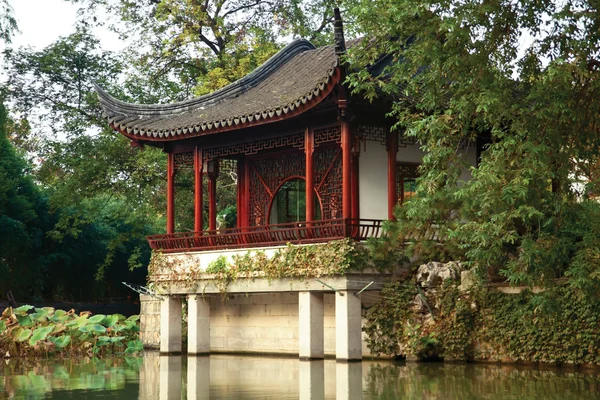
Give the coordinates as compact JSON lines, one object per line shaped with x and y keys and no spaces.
{"x":338,"y":33}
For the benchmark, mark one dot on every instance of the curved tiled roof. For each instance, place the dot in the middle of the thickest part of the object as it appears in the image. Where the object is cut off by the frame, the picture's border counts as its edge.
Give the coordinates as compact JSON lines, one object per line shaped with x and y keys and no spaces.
{"x":292,"y":81}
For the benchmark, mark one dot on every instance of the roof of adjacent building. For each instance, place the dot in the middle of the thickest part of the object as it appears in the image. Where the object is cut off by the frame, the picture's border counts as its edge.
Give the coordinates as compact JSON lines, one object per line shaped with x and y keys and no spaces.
{"x":292,"y":81}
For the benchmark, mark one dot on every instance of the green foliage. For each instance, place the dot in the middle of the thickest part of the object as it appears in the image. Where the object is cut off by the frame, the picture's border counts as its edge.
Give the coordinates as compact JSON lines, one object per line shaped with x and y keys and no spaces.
{"x":311,"y":261}
{"x":520,"y":83}
{"x":49,"y":331}
{"x":556,"y":326}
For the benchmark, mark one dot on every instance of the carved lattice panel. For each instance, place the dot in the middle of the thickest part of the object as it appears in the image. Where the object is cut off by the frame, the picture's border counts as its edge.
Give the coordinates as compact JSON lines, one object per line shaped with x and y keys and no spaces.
{"x":265,"y":177}
{"x":184,"y":160}
{"x":378,"y":134}
{"x":250,"y":148}
{"x":328,"y":134}
{"x":328,"y":180}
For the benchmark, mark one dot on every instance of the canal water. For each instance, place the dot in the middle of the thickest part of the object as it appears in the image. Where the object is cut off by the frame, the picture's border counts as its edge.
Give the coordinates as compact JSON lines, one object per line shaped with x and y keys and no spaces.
{"x":242,"y":377}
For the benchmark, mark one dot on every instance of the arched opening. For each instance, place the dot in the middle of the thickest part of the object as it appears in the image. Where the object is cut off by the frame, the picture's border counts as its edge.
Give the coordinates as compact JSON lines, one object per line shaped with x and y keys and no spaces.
{"x":289,"y":203}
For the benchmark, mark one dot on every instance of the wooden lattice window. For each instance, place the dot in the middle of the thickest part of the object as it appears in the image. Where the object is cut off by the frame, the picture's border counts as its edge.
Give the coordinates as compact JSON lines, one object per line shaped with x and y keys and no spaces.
{"x":406,"y":180}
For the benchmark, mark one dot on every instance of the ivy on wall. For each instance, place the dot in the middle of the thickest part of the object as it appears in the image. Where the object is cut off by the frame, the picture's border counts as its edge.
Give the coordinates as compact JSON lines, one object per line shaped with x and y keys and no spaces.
{"x":556,"y":326}
{"x":336,"y":257}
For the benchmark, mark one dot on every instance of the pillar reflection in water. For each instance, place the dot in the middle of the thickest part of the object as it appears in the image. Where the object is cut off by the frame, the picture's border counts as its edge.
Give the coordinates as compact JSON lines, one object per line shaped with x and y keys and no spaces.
{"x":311,"y":380}
{"x":348,"y":380}
{"x":198,"y":377}
{"x":170,"y":378}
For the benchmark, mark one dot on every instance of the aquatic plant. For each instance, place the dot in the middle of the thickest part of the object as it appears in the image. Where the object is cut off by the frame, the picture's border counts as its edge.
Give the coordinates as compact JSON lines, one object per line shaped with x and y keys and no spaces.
{"x":31,"y":331}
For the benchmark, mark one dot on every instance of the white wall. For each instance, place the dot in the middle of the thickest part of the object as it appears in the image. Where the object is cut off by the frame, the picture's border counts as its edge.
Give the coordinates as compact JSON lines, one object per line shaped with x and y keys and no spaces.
{"x":373,"y":175}
{"x":372,"y":181}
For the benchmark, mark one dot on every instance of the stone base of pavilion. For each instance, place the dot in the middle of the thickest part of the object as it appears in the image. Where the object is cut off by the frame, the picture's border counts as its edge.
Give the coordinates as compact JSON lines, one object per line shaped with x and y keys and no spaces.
{"x":310,"y":318}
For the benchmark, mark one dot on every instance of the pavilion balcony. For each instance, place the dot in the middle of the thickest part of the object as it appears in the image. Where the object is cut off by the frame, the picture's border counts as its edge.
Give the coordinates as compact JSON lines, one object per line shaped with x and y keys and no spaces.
{"x":267,"y":235}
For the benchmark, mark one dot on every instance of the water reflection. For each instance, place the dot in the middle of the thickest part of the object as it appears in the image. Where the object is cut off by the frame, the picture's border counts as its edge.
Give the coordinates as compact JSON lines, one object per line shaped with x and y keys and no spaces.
{"x":240,"y":377}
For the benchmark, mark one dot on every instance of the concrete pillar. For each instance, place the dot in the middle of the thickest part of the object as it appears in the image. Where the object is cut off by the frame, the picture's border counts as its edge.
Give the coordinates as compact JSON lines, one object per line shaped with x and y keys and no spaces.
{"x":198,"y":325}
{"x":198,"y":378}
{"x":170,"y":378}
{"x":348,"y":381}
{"x":170,"y":325}
{"x":311,"y":380}
{"x":348,"y":335}
{"x":310,"y":325}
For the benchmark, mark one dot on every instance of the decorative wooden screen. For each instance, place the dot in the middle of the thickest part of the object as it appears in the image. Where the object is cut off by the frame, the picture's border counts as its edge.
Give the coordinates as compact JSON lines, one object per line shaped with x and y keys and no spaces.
{"x":268,"y":172}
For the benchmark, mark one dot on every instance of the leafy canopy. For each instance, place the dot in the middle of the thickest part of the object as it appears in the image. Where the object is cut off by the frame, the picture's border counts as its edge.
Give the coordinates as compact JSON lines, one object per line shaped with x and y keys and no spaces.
{"x":519,"y":80}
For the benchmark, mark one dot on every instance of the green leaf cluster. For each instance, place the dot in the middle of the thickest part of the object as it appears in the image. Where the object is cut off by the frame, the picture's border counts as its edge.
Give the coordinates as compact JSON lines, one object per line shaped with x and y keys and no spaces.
{"x":34,"y":332}
{"x":556,"y":326}
{"x":518,"y":84}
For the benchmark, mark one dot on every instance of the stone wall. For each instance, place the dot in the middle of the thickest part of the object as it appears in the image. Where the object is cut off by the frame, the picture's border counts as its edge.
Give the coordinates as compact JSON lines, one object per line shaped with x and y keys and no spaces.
{"x":150,"y":321}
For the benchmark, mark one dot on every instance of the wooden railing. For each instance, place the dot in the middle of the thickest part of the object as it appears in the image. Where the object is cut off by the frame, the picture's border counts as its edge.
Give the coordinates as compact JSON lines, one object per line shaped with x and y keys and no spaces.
{"x":268,"y":235}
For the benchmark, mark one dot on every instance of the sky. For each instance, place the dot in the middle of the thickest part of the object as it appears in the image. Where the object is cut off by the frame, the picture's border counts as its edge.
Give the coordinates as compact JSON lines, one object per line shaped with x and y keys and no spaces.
{"x":41,"y":22}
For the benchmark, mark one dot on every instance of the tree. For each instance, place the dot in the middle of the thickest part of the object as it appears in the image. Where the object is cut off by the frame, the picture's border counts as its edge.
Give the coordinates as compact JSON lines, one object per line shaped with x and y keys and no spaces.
{"x":8,"y":23}
{"x":201,"y":45}
{"x":520,"y":79}
{"x":22,"y":221}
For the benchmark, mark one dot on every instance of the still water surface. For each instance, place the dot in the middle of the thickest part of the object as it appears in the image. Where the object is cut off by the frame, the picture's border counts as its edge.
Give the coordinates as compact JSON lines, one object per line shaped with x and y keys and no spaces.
{"x":237,"y":377}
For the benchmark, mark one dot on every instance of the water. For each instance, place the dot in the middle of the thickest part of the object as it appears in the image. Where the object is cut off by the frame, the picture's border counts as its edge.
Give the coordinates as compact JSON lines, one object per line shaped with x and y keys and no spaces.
{"x":243,"y":377}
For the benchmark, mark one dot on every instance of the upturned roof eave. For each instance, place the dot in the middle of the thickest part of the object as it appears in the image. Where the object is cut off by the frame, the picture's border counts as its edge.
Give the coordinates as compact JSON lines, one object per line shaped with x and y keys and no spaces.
{"x":115,"y":106}
{"x":219,"y":127}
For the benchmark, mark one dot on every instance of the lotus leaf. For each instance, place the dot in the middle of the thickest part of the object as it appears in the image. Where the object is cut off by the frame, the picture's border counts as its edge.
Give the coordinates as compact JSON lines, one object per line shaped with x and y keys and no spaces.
{"x":97,"y":329}
{"x":22,"y":310}
{"x":78,"y":322}
{"x":24,"y":320}
{"x":110,"y":320}
{"x":2,"y":326}
{"x":38,"y":318}
{"x":103,"y":340}
{"x":45,"y":311}
{"x":40,"y":334}
{"x":134,"y":346}
{"x":133,"y":318}
{"x":61,"y":341}
{"x":59,"y":316}
{"x":21,"y":335}
{"x":116,"y":339}
{"x":119,"y":328}
{"x":96,"y":319}
{"x":58,"y":328}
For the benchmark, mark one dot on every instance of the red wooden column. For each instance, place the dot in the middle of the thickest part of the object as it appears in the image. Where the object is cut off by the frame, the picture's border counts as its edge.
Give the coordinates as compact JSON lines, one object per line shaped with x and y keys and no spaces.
{"x":170,"y":193}
{"x":213,"y":173}
{"x":241,"y":196}
{"x":346,"y":170}
{"x":197,"y":189}
{"x":392,"y":151}
{"x":355,"y":195}
{"x":309,"y":147}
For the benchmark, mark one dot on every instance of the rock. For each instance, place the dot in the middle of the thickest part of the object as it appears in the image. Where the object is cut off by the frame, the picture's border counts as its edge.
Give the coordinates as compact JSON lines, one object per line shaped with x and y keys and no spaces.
{"x":419,"y":305}
{"x":434,"y":273}
{"x":467,"y":280}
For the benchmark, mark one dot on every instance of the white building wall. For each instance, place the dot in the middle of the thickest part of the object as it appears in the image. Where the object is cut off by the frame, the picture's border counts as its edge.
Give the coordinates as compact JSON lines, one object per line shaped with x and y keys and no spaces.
{"x":373,"y":174}
{"x":372,"y":181}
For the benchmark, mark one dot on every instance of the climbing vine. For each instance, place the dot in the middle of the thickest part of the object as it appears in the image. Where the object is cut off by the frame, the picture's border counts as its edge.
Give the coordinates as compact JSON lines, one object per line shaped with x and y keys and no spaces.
{"x":556,"y":326}
{"x":292,"y":261}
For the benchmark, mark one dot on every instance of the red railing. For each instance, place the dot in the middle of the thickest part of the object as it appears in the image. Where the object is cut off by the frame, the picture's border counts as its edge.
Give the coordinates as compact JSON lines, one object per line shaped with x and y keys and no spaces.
{"x":268,"y":235}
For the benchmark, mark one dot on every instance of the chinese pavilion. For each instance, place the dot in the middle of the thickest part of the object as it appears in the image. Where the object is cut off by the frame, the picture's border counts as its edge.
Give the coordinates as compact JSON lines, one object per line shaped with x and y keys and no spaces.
{"x":313,"y":164}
